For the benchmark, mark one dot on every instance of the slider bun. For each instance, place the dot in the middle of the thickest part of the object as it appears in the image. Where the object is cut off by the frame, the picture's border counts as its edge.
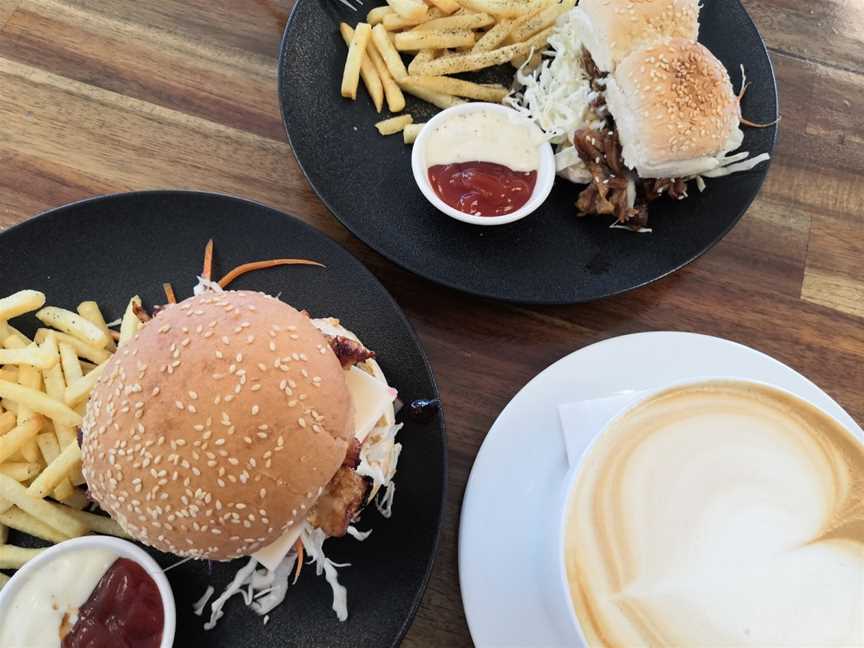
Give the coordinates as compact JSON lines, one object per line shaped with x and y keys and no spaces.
{"x":216,"y":428}
{"x":611,"y":29}
{"x":675,"y":110}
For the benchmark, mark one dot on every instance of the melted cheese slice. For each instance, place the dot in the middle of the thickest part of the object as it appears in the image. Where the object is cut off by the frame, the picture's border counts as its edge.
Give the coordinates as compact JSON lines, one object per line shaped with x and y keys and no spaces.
{"x":371,"y":397}
{"x":273,"y":554}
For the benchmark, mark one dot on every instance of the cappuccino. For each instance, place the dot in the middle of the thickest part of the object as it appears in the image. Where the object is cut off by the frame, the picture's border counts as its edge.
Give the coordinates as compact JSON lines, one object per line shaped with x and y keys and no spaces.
{"x":722,"y":513}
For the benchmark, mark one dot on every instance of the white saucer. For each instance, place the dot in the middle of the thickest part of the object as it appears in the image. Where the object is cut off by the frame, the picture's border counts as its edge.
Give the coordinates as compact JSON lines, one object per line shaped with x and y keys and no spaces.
{"x":517,"y":477}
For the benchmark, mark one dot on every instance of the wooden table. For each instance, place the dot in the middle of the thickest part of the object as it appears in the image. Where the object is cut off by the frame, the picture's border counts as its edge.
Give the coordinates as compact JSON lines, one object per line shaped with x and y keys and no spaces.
{"x":99,"y":96}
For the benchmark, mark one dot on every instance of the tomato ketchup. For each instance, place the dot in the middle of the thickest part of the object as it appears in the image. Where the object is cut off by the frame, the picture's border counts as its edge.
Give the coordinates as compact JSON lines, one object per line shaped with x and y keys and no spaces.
{"x":482,"y":188}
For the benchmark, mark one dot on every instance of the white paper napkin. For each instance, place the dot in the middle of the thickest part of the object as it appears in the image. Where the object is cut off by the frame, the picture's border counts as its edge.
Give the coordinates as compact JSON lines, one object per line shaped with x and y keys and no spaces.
{"x":582,"y":421}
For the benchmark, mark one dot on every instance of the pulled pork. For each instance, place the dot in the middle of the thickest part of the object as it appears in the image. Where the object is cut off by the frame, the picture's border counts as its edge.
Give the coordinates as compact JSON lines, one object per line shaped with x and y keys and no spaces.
{"x":350,"y":352}
{"x":600,"y":151}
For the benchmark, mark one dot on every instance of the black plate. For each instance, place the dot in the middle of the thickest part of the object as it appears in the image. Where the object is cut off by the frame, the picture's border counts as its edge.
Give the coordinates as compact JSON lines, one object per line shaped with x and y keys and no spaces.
{"x":550,"y":257}
{"x":110,"y":248}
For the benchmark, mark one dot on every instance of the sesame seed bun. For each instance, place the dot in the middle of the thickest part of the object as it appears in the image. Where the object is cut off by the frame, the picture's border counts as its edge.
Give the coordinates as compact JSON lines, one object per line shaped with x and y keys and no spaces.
{"x":612,"y":29}
{"x":216,"y":428}
{"x":675,"y":110}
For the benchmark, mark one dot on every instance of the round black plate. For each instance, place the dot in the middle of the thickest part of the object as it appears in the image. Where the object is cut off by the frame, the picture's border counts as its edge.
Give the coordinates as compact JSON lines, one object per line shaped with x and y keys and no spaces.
{"x":111,"y":248}
{"x":550,"y":257}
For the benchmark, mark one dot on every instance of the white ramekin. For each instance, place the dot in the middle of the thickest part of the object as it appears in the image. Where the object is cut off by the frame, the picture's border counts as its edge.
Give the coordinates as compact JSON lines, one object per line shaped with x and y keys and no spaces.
{"x":122,"y":549}
{"x":545,"y":174}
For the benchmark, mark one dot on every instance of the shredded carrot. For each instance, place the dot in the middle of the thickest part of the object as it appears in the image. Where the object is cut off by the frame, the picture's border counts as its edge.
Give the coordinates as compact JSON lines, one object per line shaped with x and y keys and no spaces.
{"x":208,"y":260}
{"x":298,"y":547}
{"x":169,"y":292}
{"x":239,"y":271}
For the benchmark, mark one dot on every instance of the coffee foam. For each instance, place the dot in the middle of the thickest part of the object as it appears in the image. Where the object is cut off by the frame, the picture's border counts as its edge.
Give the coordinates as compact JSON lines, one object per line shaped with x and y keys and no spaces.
{"x":720,"y":514}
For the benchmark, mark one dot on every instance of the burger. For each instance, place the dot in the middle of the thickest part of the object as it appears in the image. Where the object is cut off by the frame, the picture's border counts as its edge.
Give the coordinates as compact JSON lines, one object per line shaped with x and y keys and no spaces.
{"x":233,"y":425}
{"x":653,"y":108}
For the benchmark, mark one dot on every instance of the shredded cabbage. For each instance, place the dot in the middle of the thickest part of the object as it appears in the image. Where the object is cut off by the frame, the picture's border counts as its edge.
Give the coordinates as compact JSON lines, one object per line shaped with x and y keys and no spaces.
{"x":205,"y":285}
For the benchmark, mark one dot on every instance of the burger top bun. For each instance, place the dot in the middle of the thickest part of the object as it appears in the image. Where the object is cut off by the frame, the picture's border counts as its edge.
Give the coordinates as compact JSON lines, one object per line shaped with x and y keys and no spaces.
{"x":213,"y":431}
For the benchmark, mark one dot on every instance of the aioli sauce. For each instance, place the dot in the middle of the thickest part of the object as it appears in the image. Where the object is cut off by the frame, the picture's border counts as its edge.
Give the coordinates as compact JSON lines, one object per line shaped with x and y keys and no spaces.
{"x":52,"y":596}
{"x":124,"y":611}
{"x":483,"y":162}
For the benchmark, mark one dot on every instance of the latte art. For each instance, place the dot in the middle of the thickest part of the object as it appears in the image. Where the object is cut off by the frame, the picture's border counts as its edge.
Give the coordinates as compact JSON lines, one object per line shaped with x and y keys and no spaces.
{"x":720,"y":514}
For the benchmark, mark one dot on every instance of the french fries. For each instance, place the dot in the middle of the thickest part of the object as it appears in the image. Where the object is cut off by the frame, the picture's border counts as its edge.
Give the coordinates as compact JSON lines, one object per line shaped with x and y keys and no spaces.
{"x":394,"y":124}
{"x":129,"y":325}
{"x":32,"y":354}
{"x":539,"y":21}
{"x":24,"y":301}
{"x":58,"y":519}
{"x":93,"y":522}
{"x":75,"y":325}
{"x":410,"y":132}
{"x":377,"y":14}
{"x":503,"y":8}
{"x":20,"y":470}
{"x":56,"y":471}
{"x":3,"y":580}
{"x":82,"y":349}
{"x":368,"y":73}
{"x":411,"y":9}
{"x":446,"y":6}
{"x":439,"y":99}
{"x":12,"y":557}
{"x":388,"y":53}
{"x":17,"y":519}
{"x":90,"y":311}
{"x":417,"y":40}
{"x":354,"y":60}
{"x":395,"y":98}
{"x":80,"y":390}
{"x":460,"y":88}
{"x":493,"y":38}
{"x":39,"y":402}
{"x":458,"y":22}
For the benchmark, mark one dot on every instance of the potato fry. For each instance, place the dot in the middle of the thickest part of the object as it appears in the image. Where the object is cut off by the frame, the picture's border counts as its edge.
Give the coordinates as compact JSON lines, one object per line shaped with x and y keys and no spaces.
{"x":17,"y":437}
{"x":458,"y":22}
{"x":48,"y":446}
{"x":395,"y":22}
{"x":130,"y":323}
{"x":63,"y":490}
{"x":20,"y":470}
{"x":4,"y":537}
{"x":74,"y":325}
{"x":356,"y":54}
{"x":82,"y":349}
{"x":377,"y":14}
{"x":79,"y":391}
{"x":443,"y":101}
{"x":29,"y":377}
{"x":492,"y":38}
{"x":12,"y":557}
{"x":503,"y":8}
{"x":460,"y":88}
{"x":394,"y":124}
{"x":446,"y":6}
{"x":55,"y":387}
{"x":50,"y":449}
{"x":39,"y":402}
{"x":3,"y":580}
{"x":24,"y":301}
{"x":423,"y":56}
{"x":90,"y":311}
{"x":480,"y":60}
{"x":17,"y":519}
{"x":96,"y":523}
{"x":31,"y":355}
{"x":388,"y":53}
{"x":56,"y":471}
{"x":539,"y":21}
{"x":8,"y":420}
{"x":410,"y":132}
{"x":412,"y":9}
{"x":46,"y":512}
{"x":392,"y":91}
{"x":9,"y":373}
{"x":417,"y":40}
{"x":72,"y":370}
{"x":367,"y":70}
{"x":12,"y":331}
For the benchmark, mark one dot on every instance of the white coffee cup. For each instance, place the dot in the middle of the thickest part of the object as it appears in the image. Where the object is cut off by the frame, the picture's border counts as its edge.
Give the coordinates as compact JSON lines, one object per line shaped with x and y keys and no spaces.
{"x":597,"y":429}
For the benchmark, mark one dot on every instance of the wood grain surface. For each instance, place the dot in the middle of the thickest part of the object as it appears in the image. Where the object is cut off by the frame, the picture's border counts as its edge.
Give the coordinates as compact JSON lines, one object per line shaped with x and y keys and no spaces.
{"x":100,"y":96}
